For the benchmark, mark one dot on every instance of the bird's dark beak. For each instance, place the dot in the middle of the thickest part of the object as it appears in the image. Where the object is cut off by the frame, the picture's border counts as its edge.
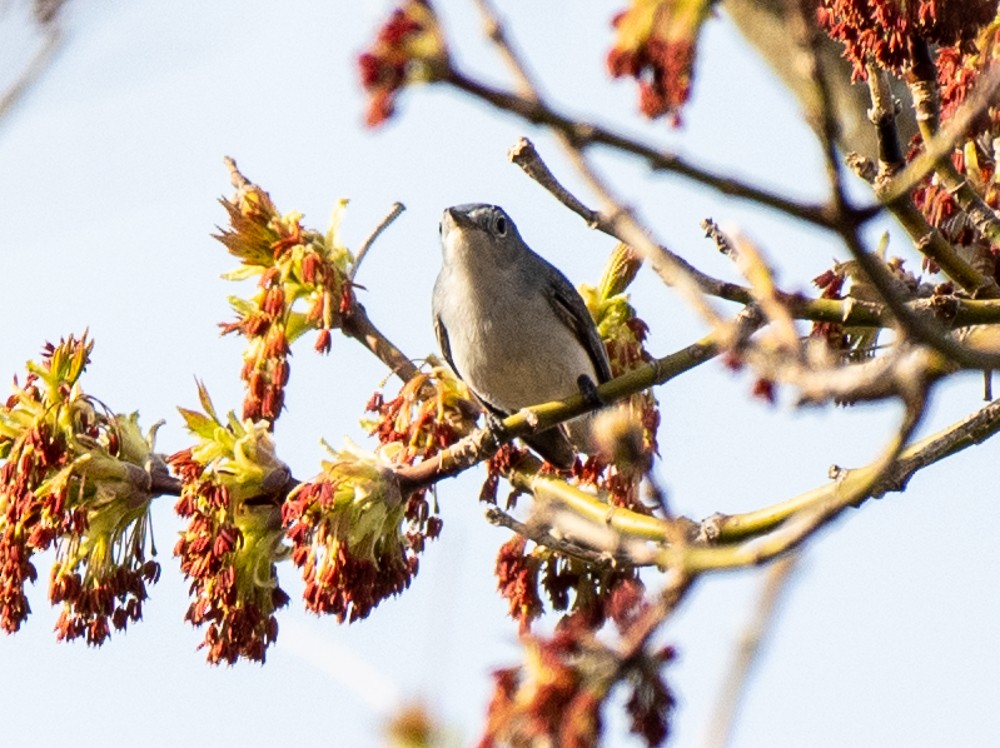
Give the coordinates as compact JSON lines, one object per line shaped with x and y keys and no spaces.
{"x":453,"y":219}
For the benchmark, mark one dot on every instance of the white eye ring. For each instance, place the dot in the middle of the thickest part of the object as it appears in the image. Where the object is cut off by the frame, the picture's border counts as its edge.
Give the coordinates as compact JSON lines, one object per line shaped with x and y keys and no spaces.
{"x":500,"y":226}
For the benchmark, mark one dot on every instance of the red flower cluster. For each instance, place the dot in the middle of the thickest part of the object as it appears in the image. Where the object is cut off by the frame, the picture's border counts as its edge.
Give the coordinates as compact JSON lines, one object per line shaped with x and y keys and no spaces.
{"x":408,"y":47}
{"x":957,"y":73}
{"x":557,"y":694}
{"x":74,"y":478}
{"x":655,"y":44}
{"x":93,"y":601}
{"x":348,"y":537}
{"x":229,"y":556}
{"x":231,"y":481}
{"x":569,"y":583}
{"x":24,"y":531}
{"x":517,"y":580}
{"x":830,"y":283}
{"x":884,"y":30}
{"x":432,"y":411}
{"x":293,"y":264}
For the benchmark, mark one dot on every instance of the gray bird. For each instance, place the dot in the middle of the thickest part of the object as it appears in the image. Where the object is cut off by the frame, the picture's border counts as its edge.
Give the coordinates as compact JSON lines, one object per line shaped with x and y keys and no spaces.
{"x":513,"y":327}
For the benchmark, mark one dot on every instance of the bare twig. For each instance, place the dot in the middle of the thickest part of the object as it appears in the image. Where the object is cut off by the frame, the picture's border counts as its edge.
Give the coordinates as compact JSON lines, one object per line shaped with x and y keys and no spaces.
{"x":539,"y":535}
{"x":496,"y":33}
{"x":658,"y":159}
{"x":811,"y":512}
{"x":718,"y":236}
{"x":848,"y":223}
{"x":389,"y":217}
{"x":883,"y":115}
{"x":524,"y":155}
{"x":923,"y":87}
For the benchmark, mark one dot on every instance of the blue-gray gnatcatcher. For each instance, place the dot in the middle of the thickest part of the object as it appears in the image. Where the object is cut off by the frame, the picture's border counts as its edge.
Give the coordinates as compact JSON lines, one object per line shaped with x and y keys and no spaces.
{"x":512,"y":326}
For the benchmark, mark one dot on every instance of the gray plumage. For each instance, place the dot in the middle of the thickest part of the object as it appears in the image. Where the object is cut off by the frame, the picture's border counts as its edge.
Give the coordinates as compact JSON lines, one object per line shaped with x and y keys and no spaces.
{"x":512,"y":326}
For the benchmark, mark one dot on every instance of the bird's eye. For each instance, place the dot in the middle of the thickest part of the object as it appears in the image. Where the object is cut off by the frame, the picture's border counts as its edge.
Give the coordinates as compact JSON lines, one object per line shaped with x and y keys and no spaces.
{"x":500,"y":224}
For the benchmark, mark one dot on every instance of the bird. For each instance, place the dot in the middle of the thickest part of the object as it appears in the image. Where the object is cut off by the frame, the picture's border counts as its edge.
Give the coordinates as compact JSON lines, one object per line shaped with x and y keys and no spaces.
{"x":513,"y":327}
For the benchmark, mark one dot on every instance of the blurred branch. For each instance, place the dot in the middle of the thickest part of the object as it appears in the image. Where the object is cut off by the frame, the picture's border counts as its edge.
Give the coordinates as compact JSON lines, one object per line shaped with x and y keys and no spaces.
{"x":968,"y":432}
{"x":882,"y":115}
{"x":528,"y":105}
{"x":537,"y":533}
{"x":941,"y":143}
{"x":734,"y":688}
{"x":957,"y":311}
{"x":812,"y":511}
{"x":38,"y":64}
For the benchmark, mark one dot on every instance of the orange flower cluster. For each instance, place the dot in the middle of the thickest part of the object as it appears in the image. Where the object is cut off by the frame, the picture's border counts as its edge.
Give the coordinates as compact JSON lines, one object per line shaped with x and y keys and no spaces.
{"x":409,"y":47}
{"x":293,"y":264}
{"x":655,"y":44}
{"x":556,"y":696}
{"x":74,"y":477}
{"x":957,"y":73}
{"x":432,"y":411}
{"x":234,"y":536}
{"x":569,"y":584}
{"x":884,"y":30}
{"x":348,"y":537}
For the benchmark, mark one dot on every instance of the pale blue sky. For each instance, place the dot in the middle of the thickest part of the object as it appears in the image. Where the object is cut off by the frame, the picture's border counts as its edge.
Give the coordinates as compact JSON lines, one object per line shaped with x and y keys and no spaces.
{"x":109,"y":174}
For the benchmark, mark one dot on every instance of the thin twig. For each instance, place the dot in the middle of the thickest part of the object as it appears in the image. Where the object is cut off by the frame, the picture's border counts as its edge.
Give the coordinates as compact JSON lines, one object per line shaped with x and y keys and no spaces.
{"x":391,"y":216}
{"x":541,"y":536}
{"x":883,"y":116}
{"x":621,"y":220}
{"x":658,"y":159}
{"x":525,"y":155}
{"x":939,"y":143}
{"x":958,"y":312}
{"x":496,"y":32}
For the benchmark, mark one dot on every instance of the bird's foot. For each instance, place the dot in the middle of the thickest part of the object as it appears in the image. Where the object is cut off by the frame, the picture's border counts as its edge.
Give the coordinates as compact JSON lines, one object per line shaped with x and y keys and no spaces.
{"x":589,"y":391}
{"x":495,"y":430}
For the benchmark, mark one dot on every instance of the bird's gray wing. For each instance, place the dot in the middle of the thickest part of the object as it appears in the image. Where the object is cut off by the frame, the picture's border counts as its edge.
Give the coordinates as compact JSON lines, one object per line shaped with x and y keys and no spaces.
{"x":551,"y":444}
{"x":441,"y":333}
{"x":442,"y":337}
{"x":571,"y":309}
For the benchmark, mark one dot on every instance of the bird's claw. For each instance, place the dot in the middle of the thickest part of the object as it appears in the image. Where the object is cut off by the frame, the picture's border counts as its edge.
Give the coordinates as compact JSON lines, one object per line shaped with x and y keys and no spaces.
{"x":589,"y":391}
